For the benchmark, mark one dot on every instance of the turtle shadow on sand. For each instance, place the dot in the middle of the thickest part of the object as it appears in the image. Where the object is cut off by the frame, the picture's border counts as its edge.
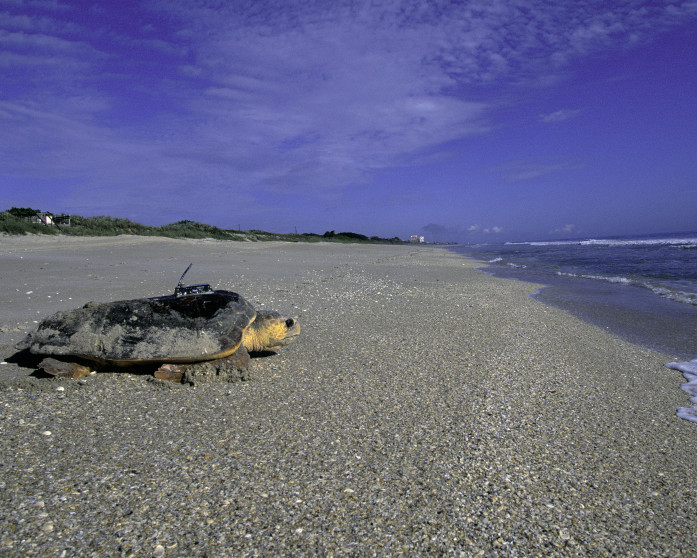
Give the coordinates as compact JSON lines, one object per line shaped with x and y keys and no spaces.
{"x":70,"y":367}
{"x":195,"y":335}
{"x":25,"y":359}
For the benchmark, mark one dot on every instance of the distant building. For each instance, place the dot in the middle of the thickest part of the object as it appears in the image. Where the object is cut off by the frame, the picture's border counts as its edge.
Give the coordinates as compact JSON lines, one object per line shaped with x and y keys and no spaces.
{"x":44,"y":218}
{"x":417,"y":239}
{"x":63,"y":219}
{"x":40,"y":218}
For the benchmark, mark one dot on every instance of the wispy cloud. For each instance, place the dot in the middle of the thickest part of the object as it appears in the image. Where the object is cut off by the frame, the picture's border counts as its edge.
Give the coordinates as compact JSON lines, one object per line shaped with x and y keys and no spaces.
{"x":519,"y":171}
{"x":566,"y":229}
{"x":559,"y":116}
{"x":440,"y":232}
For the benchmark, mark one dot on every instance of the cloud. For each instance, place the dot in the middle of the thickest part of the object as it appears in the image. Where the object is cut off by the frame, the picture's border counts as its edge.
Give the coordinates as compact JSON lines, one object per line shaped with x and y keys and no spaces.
{"x":335,"y":98}
{"x":338,"y":92}
{"x":566,"y":229}
{"x":559,"y":116}
{"x":436,"y":229}
{"x":316,"y":105}
{"x":519,"y":171}
{"x":446,"y":233}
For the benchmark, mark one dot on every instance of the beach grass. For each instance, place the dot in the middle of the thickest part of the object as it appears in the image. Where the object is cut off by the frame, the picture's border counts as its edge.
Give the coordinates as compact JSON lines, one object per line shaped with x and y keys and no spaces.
{"x":16,"y":222}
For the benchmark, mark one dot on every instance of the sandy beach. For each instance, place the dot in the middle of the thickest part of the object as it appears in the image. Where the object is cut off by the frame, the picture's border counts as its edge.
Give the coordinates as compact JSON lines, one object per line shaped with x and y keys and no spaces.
{"x":426,"y":409}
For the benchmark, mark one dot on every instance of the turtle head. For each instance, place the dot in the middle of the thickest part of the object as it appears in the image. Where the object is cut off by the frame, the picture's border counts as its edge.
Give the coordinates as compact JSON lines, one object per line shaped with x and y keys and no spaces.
{"x":270,"y":330}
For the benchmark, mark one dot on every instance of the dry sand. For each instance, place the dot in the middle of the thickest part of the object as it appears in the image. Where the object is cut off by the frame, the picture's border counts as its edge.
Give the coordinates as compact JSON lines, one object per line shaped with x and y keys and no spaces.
{"x":427,"y":409}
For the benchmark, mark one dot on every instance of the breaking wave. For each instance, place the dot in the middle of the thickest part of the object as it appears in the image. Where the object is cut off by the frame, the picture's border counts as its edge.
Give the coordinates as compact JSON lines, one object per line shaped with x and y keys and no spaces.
{"x":688,"y":241}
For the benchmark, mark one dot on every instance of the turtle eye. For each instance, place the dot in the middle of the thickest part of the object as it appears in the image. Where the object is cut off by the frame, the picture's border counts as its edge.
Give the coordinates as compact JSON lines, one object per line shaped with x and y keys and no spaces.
{"x":290,"y":322}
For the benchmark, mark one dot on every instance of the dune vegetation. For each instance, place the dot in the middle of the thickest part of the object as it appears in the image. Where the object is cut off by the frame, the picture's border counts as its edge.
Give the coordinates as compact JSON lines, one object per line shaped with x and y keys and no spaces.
{"x":20,"y":221}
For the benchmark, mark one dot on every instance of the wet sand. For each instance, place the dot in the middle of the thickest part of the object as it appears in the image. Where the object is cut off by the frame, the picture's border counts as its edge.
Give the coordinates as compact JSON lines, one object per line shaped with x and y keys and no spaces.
{"x":631,"y":312}
{"x":427,"y":408}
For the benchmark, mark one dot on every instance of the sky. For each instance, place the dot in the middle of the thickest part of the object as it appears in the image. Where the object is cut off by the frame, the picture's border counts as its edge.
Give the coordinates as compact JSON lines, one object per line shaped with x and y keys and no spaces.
{"x":471,"y":121}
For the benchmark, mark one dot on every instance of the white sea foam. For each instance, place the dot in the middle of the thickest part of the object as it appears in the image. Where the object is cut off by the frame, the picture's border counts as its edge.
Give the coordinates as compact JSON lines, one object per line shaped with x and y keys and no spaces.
{"x":609,"y":279}
{"x":674,"y":294}
{"x":509,"y":264}
{"x":545,"y":243}
{"x":682,"y":242}
{"x":687,"y":241}
{"x":689,"y":371}
{"x":687,"y":413}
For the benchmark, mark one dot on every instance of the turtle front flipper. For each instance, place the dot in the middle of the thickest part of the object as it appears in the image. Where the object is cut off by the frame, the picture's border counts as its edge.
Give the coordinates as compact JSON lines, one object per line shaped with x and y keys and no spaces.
{"x":64,"y":369}
{"x":233,"y":368}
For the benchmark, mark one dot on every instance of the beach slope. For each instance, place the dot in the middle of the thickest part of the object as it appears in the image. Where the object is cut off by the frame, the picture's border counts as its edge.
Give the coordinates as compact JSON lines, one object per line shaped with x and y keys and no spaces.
{"x":426,"y":409}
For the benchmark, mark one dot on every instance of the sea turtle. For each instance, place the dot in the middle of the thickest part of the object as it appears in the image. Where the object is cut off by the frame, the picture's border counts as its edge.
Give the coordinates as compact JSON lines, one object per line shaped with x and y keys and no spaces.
{"x":196,"y":324}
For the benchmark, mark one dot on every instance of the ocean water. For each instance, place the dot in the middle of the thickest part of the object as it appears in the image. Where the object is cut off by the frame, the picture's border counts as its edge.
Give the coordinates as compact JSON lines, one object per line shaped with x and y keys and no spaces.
{"x":664,"y":264}
{"x":641,"y":288}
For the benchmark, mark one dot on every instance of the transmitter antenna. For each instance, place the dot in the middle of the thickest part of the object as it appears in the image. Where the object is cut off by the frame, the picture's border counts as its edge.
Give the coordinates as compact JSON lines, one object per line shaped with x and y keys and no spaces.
{"x":179,"y":288}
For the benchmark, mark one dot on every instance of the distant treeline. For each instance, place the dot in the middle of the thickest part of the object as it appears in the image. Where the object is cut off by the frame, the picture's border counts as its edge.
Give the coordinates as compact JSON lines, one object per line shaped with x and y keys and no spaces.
{"x":23,"y":220}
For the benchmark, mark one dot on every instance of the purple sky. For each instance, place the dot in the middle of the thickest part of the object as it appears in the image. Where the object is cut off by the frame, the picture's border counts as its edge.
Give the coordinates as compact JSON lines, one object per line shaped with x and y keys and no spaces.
{"x":475,"y":120}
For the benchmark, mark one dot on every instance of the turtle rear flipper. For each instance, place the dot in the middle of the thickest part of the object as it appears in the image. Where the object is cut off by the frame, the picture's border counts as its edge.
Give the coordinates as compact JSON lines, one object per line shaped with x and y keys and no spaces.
{"x":64,"y":369}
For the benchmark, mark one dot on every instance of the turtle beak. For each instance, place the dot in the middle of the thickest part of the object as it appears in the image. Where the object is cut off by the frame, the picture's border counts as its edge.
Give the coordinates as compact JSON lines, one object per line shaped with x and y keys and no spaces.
{"x":293,"y":328}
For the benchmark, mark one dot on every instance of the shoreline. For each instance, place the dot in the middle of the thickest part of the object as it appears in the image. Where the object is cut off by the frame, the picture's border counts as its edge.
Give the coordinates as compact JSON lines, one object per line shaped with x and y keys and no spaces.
{"x":632,"y":312}
{"x":427,"y":408}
